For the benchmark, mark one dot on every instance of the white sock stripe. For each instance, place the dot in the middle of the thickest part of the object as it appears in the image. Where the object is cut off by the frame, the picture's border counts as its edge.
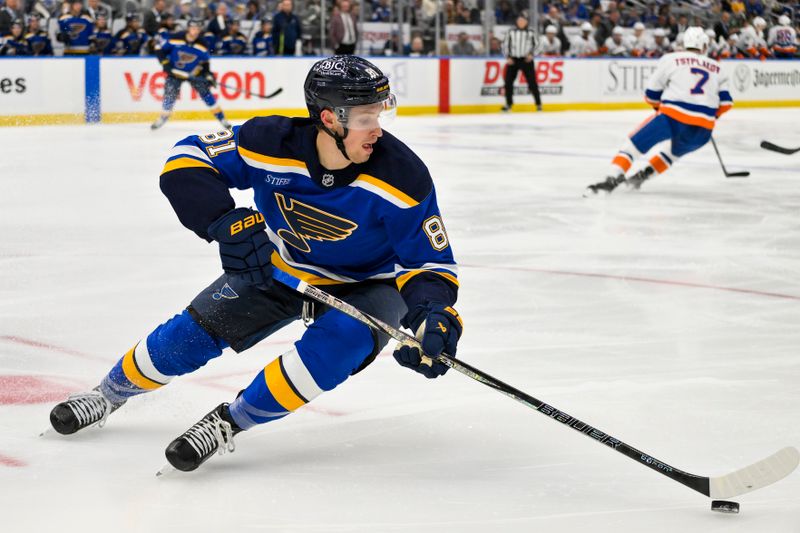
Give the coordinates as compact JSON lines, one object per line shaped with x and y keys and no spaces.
{"x":142,"y":357}
{"x":301,"y":378}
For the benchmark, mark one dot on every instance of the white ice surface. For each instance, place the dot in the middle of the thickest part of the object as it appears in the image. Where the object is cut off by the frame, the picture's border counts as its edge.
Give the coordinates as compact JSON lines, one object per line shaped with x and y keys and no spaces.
{"x":668,"y":318}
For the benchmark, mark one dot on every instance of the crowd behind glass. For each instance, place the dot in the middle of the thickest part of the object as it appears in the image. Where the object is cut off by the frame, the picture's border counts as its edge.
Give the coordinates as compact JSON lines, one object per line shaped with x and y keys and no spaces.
{"x":761,"y":29}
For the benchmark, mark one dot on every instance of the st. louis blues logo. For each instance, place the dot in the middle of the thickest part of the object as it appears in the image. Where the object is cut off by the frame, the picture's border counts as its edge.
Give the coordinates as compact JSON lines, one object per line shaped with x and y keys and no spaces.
{"x":184,"y":58}
{"x":306,"y":222}
{"x":225,"y":292}
{"x":75,"y":29}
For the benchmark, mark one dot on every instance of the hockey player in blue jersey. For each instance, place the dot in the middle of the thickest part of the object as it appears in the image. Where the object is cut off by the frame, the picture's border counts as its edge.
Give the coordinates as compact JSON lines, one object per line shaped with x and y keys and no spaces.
{"x":185,"y":57}
{"x":234,"y":43}
{"x":132,"y":39}
{"x":102,"y":39}
{"x":14,"y":44}
{"x":262,"y":40}
{"x":342,"y":204}
{"x":75,"y":30}
{"x":38,"y":40}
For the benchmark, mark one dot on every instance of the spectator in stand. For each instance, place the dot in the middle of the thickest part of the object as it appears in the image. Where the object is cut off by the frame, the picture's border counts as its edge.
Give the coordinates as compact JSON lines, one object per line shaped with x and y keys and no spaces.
{"x":286,"y":30}
{"x":185,"y":13}
{"x":550,"y":46}
{"x":722,"y":28}
{"x":343,"y":34}
{"x":14,"y":43}
{"x":394,"y":46}
{"x":495,"y":47}
{"x":463,"y":46}
{"x":262,"y":41}
{"x":219,"y":24}
{"x":754,"y":8}
{"x":465,"y":15}
{"x":583,"y":45}
{"x":252,"y":11}
{"x":152,"y":17}
{"x":782,"y":39}
{"x":95,"y":7}
{"x":504,"y":13}
{"x":617,"y":45}
{"x":381,"y":12}
{"x":683,"y":24}
{"x":9,"y":13}
{"x":38,"y":41}
{"x":417,"y":47}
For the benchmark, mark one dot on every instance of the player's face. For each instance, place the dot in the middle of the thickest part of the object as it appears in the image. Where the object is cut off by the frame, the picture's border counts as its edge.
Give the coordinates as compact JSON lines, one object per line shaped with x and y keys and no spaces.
{"x":364,"y":125}
{"x":16,"y":30}
{"x":192,"y":32}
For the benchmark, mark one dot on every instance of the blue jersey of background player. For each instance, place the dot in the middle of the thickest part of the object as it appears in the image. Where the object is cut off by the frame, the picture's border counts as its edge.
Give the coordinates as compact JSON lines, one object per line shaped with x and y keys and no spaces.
{"x":262,"y":40}
{"x":342,"y":204}
{"x":132,"y":39}
{"x":234,"y":43}
{"x":75,"y":30}
{"x":14,"y":44}
{"x":185,"y":57}
{"x":102,"y":38}
{"x":38,"y":40}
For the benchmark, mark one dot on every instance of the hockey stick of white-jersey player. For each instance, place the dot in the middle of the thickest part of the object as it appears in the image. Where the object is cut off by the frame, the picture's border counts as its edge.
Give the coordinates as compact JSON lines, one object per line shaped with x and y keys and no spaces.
{"x":741,"y":174}
{"x":750,"y":478}
{"x":766,"y":145}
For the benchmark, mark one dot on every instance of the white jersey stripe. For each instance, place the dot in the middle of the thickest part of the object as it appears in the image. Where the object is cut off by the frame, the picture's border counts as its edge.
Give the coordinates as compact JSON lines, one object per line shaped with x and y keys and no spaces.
{"x":185,"y":149}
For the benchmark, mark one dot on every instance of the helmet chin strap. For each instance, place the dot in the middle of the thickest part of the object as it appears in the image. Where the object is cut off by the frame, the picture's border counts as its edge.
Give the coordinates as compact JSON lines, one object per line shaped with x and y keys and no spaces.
{"x":338,"y":138}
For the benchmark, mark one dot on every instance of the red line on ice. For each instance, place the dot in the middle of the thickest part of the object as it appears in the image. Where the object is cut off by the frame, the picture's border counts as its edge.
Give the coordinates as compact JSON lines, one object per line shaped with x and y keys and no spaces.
{"x":25,"y":389}
{"x":641,"y":280}
{"x":10,"y":461}
{"x":46,"y":346}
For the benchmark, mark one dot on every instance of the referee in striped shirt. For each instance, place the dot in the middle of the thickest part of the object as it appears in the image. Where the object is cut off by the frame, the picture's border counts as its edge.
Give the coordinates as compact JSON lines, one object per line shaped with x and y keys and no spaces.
{"x":518,"y":48}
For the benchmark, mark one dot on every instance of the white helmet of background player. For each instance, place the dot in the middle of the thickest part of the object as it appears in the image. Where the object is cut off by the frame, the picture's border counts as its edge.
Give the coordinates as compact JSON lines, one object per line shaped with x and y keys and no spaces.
{"x":784,"y":21}
{"x":695,"y":38}
{"x":551,"y":30}
{"x":586,"y":26}
{"x":759,"y":23}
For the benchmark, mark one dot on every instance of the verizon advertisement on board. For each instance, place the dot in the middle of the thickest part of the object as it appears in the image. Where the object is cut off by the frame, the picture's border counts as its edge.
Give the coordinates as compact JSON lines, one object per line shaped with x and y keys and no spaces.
{"x":137,"y":85}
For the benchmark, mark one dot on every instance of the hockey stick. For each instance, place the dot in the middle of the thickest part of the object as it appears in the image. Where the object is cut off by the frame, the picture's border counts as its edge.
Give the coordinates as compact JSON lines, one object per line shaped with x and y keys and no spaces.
{"x":766,"y":145}
{"x":273,"y":94}
{"x":752,"y":477}
{"x":741,"y":174}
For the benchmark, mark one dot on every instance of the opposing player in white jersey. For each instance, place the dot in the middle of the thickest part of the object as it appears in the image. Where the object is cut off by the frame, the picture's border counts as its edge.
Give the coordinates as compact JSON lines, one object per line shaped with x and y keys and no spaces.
{"x":782,"y":39}
{"x":550,"y":46}
{"x":583,"y":45}
{"x":640,"y":42}
{"x":660,"y":44}
{"x":688,"y":91}
{"x":617,"y":45}
{"x":751,"y":39}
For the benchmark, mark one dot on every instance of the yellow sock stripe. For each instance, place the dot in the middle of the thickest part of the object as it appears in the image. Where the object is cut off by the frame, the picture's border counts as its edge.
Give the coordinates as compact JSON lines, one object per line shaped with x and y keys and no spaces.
{"x":280,"y":388}
{"x":405,"y":278}
{"x":185,"y":162}
{"x":134,"y":375}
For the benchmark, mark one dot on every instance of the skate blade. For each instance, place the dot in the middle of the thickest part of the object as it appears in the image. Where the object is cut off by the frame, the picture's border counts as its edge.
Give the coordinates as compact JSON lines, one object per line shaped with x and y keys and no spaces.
{"x":47,"y":432}
{"x":166,"y":469}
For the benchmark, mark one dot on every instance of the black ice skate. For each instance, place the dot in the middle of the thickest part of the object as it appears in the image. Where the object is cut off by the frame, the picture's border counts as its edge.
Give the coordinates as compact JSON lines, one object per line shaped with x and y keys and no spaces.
{"x":635,"y":181}
{"x":160,"y":121}
{"x":606,"y":186}
{"x":211,"y":434}
{"x":81,"y":411}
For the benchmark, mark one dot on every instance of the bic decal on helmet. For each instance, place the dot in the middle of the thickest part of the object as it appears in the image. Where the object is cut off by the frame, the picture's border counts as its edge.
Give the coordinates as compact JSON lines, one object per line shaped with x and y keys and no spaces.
{"x":353,"y":88}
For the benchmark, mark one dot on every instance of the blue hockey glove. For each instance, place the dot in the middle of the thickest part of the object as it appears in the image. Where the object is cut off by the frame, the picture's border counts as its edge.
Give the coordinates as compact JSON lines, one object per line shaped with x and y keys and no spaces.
{"x":243,"y":245}
{"x":439,"y":332}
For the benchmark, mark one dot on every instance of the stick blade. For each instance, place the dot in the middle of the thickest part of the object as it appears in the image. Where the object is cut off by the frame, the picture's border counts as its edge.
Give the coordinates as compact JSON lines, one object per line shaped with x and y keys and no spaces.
{"x":742,"y":174}
{"x":755,"y":476}
{"x":766,"y":145}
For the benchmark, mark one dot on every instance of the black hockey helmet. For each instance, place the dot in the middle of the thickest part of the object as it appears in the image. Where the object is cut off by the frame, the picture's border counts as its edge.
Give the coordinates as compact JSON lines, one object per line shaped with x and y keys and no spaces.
{"x":342,"y":82}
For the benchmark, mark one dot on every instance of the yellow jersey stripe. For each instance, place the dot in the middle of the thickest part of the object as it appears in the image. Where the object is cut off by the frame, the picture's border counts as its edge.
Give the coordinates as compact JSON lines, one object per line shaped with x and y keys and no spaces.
{"x":134,"y":375}
{"x":279,"y":161}
{"x":311,"y":279}
{"x":280,"y":388}
{"x":185,"y":162}
{"x":385,"y":187}
{"x":405,"y":278}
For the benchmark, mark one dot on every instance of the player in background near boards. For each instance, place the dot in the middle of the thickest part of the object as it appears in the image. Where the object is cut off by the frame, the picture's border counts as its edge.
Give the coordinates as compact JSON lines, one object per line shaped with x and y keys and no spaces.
{"x":782,"y":39}
{"x":342,"y":204}
{"x":583,"y":45}
{"x":688,"y":91}
{"x":185,"y":57}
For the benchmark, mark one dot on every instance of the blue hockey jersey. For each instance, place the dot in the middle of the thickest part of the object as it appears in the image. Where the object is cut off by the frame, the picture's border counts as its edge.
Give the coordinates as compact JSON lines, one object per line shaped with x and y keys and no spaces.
{"x":75,"y":33}
{"x":376,"y":221}
{"x":39,"y":43}
{"x":232,"y":45}
{"x":182,"y":58}
{"x":262,"y":44}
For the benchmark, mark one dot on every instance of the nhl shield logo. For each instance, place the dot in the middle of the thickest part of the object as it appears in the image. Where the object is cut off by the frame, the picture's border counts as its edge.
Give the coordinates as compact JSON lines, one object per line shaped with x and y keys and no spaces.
{"x":327,"y":180}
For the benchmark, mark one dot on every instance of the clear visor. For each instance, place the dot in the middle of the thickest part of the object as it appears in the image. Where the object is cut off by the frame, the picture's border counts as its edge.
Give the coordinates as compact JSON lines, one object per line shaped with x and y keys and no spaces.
{"x":368,"y":117}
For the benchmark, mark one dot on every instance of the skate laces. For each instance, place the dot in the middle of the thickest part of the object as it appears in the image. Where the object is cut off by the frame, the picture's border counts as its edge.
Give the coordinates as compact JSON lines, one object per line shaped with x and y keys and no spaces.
{"x":90,"y":407}
{"x":209,"y":435}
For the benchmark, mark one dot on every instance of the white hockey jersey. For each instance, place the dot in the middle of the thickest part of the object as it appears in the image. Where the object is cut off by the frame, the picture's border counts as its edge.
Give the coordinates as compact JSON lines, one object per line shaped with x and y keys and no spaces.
{"x":549,"y":48}
{"x":782,"y":39}
{"x":620,"y":49}
{"x":690,"y":88}
{"x":580,"y":47}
